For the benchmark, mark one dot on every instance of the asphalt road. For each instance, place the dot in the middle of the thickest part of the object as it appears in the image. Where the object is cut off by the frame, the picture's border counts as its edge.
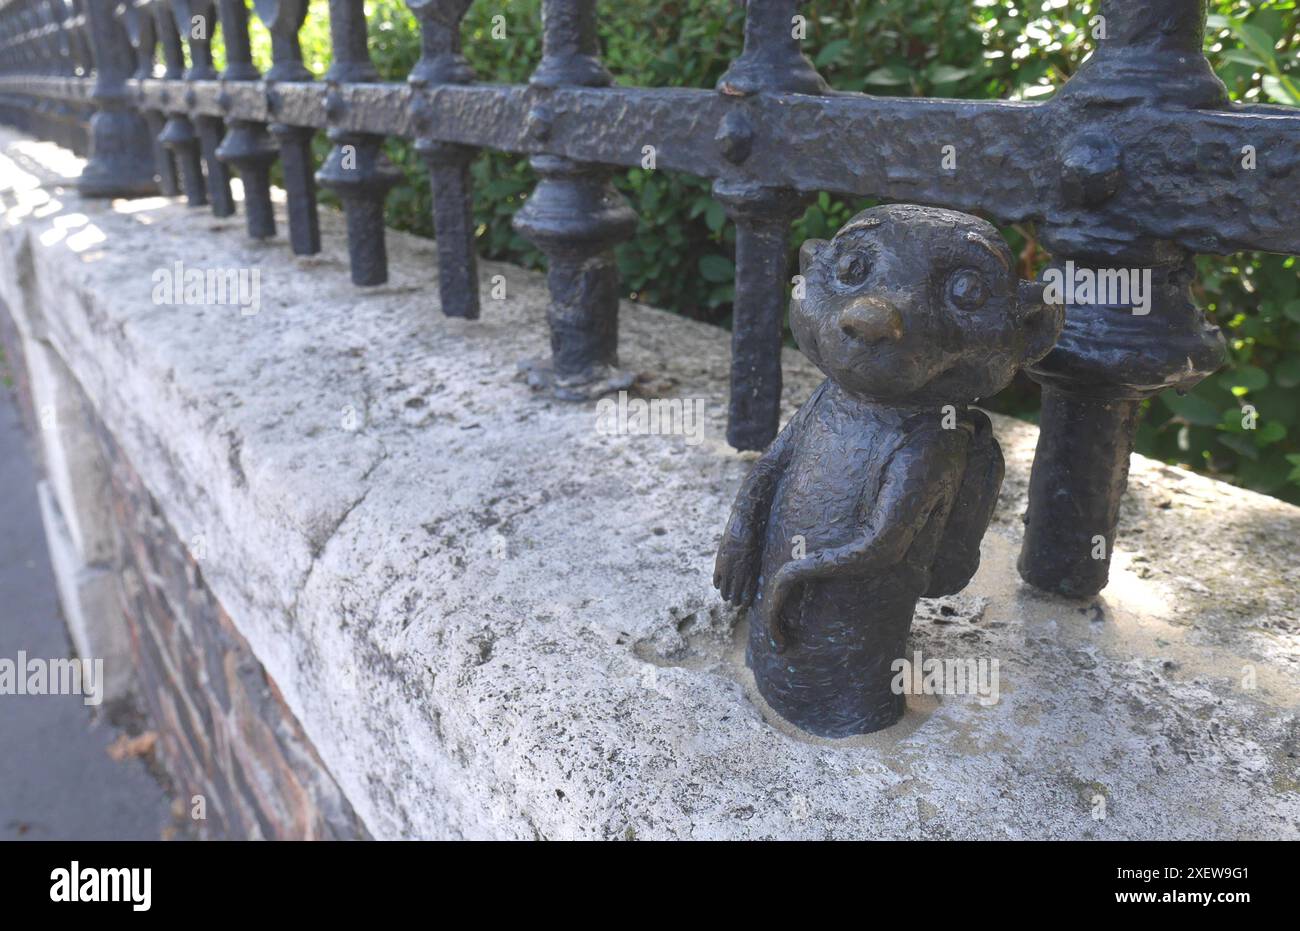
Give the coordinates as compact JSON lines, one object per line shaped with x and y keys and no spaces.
{"x":57,"y":780}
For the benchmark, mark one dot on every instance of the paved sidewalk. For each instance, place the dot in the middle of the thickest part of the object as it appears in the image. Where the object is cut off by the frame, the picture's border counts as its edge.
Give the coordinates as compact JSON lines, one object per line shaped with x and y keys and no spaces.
{"x":57,"y":780}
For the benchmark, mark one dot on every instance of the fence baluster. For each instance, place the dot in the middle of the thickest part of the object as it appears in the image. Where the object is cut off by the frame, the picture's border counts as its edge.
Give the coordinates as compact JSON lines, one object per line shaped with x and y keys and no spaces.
{"x":54,"y":115}
{"x":762,"y":216}
{"x":284,"y":19}
{"x":15,"y":62}
{"x":143,"y":34}
{"x":195,"y":20}
{"x":575,"y":216}
{"x":770,"y":62}
{"x":771,"y":59}
{"x":441,"y":62}
{"x":120,"y":157}
{"x":247,"y":146}
{"x":178,"y":136}
{"x":80,"y":37}
{"x":1108,"y":358}
{"x":357,"y":169}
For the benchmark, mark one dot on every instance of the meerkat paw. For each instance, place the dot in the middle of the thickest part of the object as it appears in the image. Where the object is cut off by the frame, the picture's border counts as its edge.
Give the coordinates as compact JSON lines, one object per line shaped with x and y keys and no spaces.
{"x":736,"y":572}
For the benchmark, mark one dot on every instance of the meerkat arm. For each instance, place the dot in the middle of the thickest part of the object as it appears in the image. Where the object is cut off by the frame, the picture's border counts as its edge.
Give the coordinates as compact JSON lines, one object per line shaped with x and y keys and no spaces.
{"x":917,"y":480}
{"x":736,"y":569}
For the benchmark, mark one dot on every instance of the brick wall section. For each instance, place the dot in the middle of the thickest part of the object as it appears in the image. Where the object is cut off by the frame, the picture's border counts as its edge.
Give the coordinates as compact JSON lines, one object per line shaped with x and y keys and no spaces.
{"x":224,"y":731}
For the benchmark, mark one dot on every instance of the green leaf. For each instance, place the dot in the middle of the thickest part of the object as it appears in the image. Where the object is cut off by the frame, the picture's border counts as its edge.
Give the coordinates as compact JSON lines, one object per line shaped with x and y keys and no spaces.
{"x":721,"y":294}
{"x":1287,"y":372}
{"x":1281,"y":89}
{"x":814,"y":222}
{"x":1270,"y":433}
{"x":1233,"y":420}
{"x":831,"y":52}
{"x":1267,"y":475}
{"x":1257,"y":40}
{"x":1192,"y":408}
{"x":1250,"y":377}
{"x":1242,"y":57}
{"x":717,"y":268}
{"x":715,"y":216}
{"x":948,"y":74}
{"x":1291,"y":309}
{"x":650,"y":196}
{"x":1240,"y":444}
{"x":1278,"y":404}
{"x":889,"y":76}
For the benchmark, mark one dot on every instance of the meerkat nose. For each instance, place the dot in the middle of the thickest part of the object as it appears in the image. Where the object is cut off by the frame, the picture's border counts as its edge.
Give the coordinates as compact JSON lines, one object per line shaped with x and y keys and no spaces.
{"x":872,"y":320}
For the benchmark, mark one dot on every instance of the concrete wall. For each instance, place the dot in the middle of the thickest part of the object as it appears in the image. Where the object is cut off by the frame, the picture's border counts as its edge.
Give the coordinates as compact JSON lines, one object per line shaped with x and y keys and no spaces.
{"x":477,"y":615}
{"x":133,"y":595}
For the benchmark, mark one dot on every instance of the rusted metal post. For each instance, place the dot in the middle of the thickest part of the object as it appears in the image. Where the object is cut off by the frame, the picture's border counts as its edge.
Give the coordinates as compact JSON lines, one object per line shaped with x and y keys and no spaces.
{"x":143,"y":33}
{"x":357,"y":169}
{"x":83,"y":63}
{"x":441,"y":62}
{"x":121,"y":160}
{"x":771,"y":58}
{"x":762,"y":216}
{"x":284,"y":19}
{"x":771,"y":62}
{"x":1111,"y":356}
{"x":575,"y":216}
{"x":178,"y":136}
{"x":247,"y":146}
{"x":52,"y":54}
{"x":195,"y":21}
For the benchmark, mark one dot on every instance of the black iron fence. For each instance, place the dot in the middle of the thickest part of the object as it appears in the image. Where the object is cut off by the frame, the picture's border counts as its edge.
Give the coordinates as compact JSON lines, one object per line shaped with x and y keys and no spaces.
{"x":1139,"y":161}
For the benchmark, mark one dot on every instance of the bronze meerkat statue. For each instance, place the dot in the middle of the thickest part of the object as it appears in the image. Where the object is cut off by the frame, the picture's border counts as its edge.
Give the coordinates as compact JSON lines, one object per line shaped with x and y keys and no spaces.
{"x":879,"y":489}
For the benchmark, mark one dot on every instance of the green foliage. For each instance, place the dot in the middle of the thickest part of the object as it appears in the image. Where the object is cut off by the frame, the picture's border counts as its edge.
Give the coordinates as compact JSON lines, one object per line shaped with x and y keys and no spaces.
{"x":682,"y":256}
{"x":1256,"y":50}
{"x":1243,"y":423}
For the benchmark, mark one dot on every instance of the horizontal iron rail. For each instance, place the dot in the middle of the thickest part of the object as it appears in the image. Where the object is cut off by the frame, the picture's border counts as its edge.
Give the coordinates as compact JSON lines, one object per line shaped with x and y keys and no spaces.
{"x":812,"y":144}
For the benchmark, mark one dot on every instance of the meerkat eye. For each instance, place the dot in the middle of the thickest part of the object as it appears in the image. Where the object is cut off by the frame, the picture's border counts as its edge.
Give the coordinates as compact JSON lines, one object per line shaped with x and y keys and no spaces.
{"x":853,"y":267}
{"x":968,"y":289}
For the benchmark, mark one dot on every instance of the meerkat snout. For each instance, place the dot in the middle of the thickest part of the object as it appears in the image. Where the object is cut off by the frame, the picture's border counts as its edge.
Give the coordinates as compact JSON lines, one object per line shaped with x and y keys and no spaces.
{"x":871,"y":320}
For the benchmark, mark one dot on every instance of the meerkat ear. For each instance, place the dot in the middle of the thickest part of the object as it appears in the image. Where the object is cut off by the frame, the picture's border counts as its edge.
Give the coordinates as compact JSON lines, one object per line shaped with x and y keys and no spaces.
{"x":808,"y":253}
{"x":1042,"y":320}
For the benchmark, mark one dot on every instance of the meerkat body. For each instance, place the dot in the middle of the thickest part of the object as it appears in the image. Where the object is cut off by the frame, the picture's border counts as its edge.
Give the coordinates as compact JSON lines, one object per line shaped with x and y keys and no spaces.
{"x":840,"y":636}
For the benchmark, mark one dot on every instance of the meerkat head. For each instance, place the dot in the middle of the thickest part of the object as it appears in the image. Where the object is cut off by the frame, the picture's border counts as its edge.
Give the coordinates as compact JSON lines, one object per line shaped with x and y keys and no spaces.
{"x":921,"y":305}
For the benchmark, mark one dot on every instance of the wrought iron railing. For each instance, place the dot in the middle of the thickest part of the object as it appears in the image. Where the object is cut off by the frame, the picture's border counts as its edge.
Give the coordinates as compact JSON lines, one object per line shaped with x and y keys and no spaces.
{"x":1140,"y":161}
